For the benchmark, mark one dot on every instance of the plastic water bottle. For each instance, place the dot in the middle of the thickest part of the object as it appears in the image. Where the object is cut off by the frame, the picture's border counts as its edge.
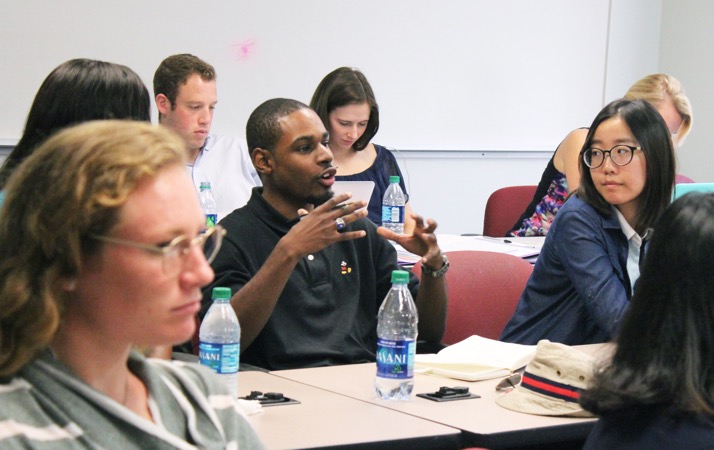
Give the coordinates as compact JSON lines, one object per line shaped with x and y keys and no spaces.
{"x":396,"y":341}
{"x":393,"y":206}
{"x":219,"y":339}
{"x":208,"y":204}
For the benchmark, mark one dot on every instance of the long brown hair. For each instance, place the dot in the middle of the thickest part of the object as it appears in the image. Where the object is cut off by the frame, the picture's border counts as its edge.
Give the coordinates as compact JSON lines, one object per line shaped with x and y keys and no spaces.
{"x":72,"y":186}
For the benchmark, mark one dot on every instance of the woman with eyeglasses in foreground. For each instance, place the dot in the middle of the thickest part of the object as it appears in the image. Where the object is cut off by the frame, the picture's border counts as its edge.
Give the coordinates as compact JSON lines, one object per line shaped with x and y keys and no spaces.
{"x":658,"y":390}
{"x":583,"y":279}
{"x":102,"y":250}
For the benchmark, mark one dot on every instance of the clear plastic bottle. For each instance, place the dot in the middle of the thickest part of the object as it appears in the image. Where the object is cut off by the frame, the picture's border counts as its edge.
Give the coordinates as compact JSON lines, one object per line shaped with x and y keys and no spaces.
{"x":393,"y":206}
{"x":208,"y":204}
{"x":396,"y":341}
{"x":219,"y":339}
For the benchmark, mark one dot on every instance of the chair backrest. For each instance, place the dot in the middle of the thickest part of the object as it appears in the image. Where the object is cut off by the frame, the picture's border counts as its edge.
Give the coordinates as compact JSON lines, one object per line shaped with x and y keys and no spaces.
{"x":484,"y":288}
{"x":504,"y":206}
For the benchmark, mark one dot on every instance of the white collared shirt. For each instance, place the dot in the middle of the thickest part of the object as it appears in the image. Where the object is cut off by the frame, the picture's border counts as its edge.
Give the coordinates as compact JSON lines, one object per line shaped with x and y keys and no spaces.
{"x":634,"y":243}
{"x":225,"y":163}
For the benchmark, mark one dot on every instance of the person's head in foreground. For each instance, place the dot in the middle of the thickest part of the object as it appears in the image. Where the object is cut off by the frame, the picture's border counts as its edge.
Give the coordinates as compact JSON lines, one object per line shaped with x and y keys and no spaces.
{"x":102,"y":180}
{"x":664,"y":361}
{"x":628,"y":162}
{"x":102,"y":250}
{"x":76,"y":91}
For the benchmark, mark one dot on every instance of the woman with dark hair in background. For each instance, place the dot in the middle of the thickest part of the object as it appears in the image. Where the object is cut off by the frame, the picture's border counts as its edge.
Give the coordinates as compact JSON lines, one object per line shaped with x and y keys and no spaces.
{"x":77,"y":91}
{"x":345,"y":103}
{"x":658,"y":390}
{"x":583,"y":279}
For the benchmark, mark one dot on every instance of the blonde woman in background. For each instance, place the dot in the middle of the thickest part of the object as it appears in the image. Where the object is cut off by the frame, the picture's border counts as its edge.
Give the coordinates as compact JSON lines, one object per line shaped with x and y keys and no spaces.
{"x":562,"y":176}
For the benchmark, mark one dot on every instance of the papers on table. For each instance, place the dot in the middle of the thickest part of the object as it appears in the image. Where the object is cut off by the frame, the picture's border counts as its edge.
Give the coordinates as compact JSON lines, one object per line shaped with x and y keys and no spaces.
{"x":527,"y":248}
{"x":404,"y":258}
{"x":476,"y":358}
{"x":521,"y":247}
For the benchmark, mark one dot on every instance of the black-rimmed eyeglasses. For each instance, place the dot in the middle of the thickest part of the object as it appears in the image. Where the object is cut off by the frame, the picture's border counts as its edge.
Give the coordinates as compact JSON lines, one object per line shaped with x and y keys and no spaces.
{"x":173,"y":252}
{"x":620,"y":155}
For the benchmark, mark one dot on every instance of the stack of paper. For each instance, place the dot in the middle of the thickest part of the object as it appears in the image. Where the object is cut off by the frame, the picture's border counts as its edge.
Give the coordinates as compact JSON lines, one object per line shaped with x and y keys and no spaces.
{"x":521,"y":247}
{"x":404,"y":258}
{"x":476,"y":358}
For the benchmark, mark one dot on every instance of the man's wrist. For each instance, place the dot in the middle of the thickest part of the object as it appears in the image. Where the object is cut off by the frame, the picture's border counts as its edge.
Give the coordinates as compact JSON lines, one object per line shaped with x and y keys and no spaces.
{"x":436,"y":273}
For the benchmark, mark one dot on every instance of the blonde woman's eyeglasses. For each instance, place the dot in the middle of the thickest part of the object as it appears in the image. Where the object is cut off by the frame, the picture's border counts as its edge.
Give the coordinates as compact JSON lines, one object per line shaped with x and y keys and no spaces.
{"x":174,"y":252}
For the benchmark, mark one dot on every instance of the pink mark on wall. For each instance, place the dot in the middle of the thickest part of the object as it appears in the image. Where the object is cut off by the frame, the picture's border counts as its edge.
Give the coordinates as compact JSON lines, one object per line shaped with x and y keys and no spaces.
{"x":243,"y":50}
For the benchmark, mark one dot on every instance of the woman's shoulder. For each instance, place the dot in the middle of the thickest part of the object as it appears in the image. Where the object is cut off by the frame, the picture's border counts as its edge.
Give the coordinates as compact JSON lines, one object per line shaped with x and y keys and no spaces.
{"x":27,"y":418}
{"x":569,"y":148}
{"x":652,"y":427}
{"x":383,"y":163}
{"x":575,"y":204}
{"x":13,"y":391}
{"x":576,"y":214}
{"x":383,"y":152}
{"x":573,"y":140}
{"x":187,"y":373}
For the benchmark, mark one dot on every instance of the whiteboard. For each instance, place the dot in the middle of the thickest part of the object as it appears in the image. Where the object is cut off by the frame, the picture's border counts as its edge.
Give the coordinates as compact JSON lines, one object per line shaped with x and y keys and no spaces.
{"x":448,"y":75}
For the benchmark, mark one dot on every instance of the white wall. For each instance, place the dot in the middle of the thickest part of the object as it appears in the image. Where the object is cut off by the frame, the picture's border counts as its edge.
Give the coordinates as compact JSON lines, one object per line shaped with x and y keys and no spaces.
{"x":633,"y":47}
{"x":450,"y":75}
{"x":452,"y":187}
{"x":687,"y":52}
{"x":609,"y":43}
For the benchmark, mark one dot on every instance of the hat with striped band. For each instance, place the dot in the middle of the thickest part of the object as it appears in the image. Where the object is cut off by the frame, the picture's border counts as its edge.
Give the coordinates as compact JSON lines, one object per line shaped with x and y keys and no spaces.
{"x":552,"y":382}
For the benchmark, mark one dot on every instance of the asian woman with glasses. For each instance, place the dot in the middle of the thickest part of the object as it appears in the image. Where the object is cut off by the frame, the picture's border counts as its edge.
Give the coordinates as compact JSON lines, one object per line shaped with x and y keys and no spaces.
{"x":583,"y":279}
{"x":103,"y":249}
{"x":562,"y":175}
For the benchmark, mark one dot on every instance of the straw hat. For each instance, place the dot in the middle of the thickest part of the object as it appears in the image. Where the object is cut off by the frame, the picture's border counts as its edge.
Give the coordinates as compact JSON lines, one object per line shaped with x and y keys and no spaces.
{"x":552,"y":382}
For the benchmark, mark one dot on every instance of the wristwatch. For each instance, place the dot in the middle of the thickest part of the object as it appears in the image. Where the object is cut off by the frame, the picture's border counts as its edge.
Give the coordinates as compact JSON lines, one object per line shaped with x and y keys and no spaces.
{"x":436,"y":273}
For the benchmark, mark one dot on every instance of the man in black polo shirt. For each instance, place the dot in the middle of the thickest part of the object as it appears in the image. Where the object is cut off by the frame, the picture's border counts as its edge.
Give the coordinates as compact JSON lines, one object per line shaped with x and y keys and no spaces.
{"x":307,"y":288}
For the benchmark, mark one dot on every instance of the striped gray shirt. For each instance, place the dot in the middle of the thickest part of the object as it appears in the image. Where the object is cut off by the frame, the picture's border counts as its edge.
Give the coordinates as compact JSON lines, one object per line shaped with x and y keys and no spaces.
{"x":45,"y":406}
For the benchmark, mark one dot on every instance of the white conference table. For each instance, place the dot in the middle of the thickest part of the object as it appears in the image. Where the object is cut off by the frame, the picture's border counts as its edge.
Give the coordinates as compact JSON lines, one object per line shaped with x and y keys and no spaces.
{"x":324,"y":419}
{"x":523,"y":247}
{"x":482,"y":422}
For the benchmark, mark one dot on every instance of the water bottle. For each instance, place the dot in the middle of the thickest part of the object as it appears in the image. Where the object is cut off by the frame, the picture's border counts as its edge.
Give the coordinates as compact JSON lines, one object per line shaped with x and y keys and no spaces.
{"x":208,"y":204}
{"x":393,"y":206}
{"x":396,"y":341}
{"x":219,"y":339}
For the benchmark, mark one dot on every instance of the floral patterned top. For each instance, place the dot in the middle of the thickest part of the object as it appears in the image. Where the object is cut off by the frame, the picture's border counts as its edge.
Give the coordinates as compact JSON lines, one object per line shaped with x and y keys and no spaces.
{"x":545,"y":209}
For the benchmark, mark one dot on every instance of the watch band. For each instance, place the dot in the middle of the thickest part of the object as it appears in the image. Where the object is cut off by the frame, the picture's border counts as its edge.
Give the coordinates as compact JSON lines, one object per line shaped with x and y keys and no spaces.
{"x":436,"y":273}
